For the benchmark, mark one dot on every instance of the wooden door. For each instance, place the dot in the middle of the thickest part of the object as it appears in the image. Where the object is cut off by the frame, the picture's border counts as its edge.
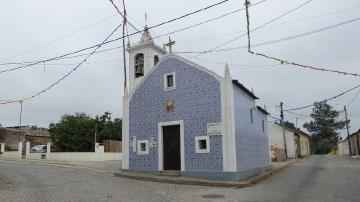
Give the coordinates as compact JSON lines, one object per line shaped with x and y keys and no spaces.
{"x":171,"y":145}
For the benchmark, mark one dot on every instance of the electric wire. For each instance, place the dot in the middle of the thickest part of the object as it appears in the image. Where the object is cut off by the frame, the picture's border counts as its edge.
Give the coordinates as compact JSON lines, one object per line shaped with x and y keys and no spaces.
{"x":355,"y":97}
{"x":283,"y":61}
{"x":255,"y":29}
{"x":325,"y":100}
{"x":113,"y":40}
{"x":57,"y":39}
{"x":65,"y":76}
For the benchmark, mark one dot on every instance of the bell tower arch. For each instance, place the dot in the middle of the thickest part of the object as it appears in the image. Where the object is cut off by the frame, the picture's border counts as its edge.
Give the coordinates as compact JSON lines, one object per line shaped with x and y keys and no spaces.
{"x":143,"y":56}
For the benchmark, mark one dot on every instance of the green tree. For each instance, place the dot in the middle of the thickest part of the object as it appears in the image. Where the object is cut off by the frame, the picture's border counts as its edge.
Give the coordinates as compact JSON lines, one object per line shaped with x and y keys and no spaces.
{"x":108,"y":129}
{"x":2,"y":134}
{"x":324,"y":128}
{"x":76,"y":133}
{"x":290,"y":125}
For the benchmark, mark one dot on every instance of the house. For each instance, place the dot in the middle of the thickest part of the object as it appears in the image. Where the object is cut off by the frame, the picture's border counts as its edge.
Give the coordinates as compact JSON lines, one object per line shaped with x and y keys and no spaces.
{"x":304,"y":144}
{"x":182,"y":117}
{"x":276,"y":139}
{"x":297,"y":141}
{"x":11,"y":136}
{"x":343,"y":146}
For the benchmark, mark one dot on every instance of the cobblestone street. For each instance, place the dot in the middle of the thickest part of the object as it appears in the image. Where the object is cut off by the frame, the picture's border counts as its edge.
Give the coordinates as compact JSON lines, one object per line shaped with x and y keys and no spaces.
{"x":317,"y":178}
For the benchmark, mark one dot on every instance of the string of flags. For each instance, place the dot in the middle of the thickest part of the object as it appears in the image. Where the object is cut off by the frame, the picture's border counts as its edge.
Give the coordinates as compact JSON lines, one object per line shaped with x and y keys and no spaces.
{"x":284,"y":61}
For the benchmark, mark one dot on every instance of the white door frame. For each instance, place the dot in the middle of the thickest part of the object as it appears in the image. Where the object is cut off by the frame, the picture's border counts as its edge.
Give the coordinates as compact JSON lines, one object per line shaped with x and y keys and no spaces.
{"x":161,"y":146}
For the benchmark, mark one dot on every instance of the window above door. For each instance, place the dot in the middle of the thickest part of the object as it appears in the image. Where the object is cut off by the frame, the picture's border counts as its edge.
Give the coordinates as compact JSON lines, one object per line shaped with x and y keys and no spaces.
{"x":169,"y":81}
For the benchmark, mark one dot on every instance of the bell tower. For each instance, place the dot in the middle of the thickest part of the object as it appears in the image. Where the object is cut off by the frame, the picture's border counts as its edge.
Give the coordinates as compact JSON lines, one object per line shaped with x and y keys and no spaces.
{"x":142,"y":58}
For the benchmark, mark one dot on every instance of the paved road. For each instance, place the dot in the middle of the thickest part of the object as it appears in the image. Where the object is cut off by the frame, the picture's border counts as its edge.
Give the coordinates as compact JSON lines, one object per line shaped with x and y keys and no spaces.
{"x":318,"y":178}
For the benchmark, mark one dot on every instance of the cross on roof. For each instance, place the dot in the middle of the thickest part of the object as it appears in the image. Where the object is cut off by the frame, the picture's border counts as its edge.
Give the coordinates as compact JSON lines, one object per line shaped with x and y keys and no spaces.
{"x":170,"y":44}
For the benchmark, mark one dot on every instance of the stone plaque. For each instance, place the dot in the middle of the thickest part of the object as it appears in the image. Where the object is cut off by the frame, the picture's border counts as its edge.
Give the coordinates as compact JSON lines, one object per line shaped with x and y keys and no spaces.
{"x":214,"y":128}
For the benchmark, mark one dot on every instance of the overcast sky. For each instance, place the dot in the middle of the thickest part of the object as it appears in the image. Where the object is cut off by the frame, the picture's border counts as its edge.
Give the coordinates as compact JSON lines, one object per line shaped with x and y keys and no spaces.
{"x":97,"y":87}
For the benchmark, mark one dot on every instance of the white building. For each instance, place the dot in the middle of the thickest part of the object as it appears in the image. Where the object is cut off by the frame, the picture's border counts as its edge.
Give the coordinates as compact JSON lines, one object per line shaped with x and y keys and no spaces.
{"x":343,"y":147}
{"x":276,"y":139}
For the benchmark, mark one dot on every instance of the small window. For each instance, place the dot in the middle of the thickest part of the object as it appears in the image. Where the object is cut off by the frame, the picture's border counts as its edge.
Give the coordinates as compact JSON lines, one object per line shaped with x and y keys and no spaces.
{"x":169,"y":81}
{"x":202,"y":144}
{"x":263,"y":125}
{"x":156,"y":59}
{"x":251,"y":116}
{"x":143,"y":147}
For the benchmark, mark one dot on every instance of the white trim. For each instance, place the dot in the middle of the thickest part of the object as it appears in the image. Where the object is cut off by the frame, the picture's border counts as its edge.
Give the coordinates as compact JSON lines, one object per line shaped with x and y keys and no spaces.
{"x":139,"y":151}
{"x":211,"y":73}
{"x":228,"y":118}
{"x":166,"y":88}
{"x":223,"y":127}
{"x":197,"y":147}
{"x":161,"y":146}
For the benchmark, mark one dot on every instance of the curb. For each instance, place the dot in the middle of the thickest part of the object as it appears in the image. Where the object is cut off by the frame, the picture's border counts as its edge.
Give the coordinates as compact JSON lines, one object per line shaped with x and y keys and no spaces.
{"x":203,"y":182}
{"x":262,"y":176}
{"x":181,"y":180}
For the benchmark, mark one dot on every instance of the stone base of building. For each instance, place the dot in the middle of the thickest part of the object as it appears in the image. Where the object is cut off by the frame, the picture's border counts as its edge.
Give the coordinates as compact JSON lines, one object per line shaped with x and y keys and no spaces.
{"x":216,"y":175}
{"x":226,"y":176}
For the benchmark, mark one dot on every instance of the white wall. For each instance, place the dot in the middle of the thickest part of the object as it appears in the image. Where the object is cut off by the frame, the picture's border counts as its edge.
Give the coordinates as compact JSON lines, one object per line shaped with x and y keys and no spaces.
{"x":344,"y":148}
{"x":99,"y":155}
{"x":77,"y":156}
{"x":276,"y":139}
{"x":10,"y":155}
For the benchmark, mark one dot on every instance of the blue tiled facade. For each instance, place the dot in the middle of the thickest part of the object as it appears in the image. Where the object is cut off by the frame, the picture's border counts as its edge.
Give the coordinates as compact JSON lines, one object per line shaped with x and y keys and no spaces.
{"x":252,"y":147}
{"x":197,"y":102}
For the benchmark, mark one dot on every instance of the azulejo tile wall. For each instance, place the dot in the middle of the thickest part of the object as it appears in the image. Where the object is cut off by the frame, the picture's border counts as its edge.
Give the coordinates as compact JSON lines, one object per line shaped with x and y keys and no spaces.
{"x":252,"y":147}
{"x":197,"y":102}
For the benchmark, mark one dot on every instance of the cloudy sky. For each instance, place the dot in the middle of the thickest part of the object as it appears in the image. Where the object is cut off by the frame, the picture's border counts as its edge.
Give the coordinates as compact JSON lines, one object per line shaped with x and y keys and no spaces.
{"x":37,"y":30}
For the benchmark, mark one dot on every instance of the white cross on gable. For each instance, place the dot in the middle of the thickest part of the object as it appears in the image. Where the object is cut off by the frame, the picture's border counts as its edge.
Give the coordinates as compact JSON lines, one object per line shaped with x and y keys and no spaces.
{"x":170,"y":44}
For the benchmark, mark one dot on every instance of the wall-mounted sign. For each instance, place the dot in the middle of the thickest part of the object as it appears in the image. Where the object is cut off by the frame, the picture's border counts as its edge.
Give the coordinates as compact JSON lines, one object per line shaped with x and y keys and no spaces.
{"x":152,"y":142}
{"x":134,"y":143}
{"x":214,"y":128}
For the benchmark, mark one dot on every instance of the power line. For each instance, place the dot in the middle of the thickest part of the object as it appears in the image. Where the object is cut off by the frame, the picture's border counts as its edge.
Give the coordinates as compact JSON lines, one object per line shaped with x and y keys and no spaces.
{"x":66,"y":75}
{"x":279,"y":40}
{"x":58,"y":39}
{"x":110,"y":41}
{"x":283,"y":61}
{"x":257,"y":28}
{"x":316,"y":16}
{"x":310,"y":116}
{"x":239,"y":65}
{"x":355,"y":97}
{"x":325,"y":100}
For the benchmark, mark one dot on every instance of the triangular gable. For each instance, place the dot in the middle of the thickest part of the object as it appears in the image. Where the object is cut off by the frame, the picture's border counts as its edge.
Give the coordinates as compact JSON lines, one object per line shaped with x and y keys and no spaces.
{"x":209,"y":72}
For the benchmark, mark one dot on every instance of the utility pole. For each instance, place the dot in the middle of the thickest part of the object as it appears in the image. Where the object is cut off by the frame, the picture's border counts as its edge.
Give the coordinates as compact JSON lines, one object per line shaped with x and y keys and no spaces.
{"x":283,"y":125}
{"x":20,"y":119}
{"x":95,"y":133}
{"x":123,"y":42}
{"x":347,"y":129}
{"x":358,"y":145}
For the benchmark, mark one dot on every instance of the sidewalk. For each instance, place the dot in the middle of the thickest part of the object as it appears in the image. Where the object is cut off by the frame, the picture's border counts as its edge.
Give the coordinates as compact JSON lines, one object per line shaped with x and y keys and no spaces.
{"x":276,"y":167}
{"x":109,"y":167}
